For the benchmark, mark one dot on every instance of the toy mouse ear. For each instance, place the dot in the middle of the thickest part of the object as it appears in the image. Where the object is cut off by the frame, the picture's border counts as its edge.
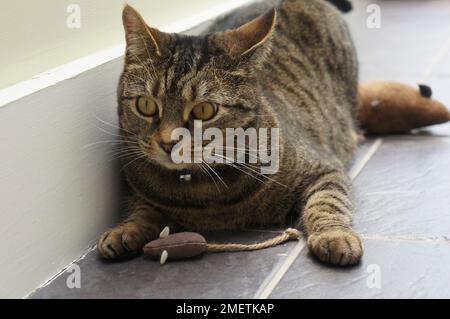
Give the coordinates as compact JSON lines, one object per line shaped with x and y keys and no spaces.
{"x":425,"y":90}
{"x":165,"y":232}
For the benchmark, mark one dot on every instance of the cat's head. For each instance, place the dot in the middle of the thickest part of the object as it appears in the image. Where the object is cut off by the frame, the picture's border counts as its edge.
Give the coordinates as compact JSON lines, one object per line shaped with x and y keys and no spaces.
{"x":170,"y":80}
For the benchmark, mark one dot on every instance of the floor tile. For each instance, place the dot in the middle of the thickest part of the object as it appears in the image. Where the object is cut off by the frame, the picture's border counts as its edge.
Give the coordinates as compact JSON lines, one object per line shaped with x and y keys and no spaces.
{"x":388,"y":270}
{"x":406,"y":42}
{"x":404,"y":189}
{"x":220,"y":275}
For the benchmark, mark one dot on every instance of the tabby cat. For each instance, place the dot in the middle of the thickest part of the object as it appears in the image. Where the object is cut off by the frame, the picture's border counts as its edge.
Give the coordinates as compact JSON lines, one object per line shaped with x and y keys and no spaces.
{"x":293,"y":68}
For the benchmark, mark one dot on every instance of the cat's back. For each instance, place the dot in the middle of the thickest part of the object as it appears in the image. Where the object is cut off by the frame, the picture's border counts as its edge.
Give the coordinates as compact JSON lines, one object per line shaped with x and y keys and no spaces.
{"x":312,"y":77}
{"x":317,"y":31}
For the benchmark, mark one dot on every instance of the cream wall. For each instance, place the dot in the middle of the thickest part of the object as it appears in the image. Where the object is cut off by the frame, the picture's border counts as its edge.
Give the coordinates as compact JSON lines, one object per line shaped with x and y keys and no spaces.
{"x":34,"y":36}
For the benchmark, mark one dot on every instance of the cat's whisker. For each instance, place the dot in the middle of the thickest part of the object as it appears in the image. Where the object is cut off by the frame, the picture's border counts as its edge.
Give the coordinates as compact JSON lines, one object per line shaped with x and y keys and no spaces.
{"x":147,"y":162}
{"x":138,"y":157}
{"x":210,"y":176}
{"x":112,"y":149}
{"x":244,"y":151}
{"x":125,"y":148}
{"x":113,"y":142}
{"x":112,"y":125}
{"x":99,"y":143}
{"x":136,"y":77}
{"x":262,"y":175}
{"x":108,"y":132}
{"x":215,"y":173}
{"x":252,"y":170}
{"x":125,"y":155}
{"x":117,"y":141}
{"x":245,"y":172}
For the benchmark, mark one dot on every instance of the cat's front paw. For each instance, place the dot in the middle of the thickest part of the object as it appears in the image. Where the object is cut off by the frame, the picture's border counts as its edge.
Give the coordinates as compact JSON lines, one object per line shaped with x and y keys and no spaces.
{"x":122,"y":241}
{"x":336,"y":246}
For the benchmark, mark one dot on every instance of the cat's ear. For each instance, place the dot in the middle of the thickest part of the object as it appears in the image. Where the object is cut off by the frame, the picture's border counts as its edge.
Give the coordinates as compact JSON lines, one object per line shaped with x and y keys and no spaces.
{"x":140,"y":37}
{"x":245,"y":40}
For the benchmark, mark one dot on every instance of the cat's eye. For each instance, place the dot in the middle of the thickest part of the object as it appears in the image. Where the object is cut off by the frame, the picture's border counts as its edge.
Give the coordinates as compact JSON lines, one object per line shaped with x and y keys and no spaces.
{"x":204,"y":111}
{"x":146,"y":106}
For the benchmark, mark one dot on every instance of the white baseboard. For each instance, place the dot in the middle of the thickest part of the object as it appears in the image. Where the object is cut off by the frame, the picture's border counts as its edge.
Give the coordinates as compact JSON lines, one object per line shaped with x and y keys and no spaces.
{"x":56,"y":193}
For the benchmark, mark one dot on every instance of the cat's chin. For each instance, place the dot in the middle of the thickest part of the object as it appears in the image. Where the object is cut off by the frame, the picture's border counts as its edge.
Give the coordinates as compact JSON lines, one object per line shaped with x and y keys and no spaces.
{"x":168,"y":164}
{"x":182,"y":168}
{"x":176,"y":167}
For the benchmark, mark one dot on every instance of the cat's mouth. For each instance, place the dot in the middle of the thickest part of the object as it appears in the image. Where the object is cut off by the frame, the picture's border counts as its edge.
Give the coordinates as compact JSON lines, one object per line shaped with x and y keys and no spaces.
{"x":166,"y":162}
{"x":163,"y":158}
{"x":170,"y":159}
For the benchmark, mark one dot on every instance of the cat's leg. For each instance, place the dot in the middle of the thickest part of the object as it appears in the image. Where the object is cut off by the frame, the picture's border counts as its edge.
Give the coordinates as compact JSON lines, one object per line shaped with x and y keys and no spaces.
{"x":327,"y":220}
{"x":127,"y":239}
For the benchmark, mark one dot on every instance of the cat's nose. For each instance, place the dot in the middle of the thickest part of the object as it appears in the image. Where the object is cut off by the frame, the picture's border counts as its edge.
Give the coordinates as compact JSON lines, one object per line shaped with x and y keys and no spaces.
{"x":167,"y":146}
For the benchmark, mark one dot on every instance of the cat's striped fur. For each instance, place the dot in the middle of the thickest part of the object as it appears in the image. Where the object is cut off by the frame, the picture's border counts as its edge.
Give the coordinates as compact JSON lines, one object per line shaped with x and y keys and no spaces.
{"x":299,"y":74}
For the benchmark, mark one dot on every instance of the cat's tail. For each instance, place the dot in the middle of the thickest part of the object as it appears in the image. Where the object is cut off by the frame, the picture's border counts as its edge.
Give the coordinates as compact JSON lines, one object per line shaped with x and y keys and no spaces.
{"x":343,"y":5}
{"x":391,"y":107}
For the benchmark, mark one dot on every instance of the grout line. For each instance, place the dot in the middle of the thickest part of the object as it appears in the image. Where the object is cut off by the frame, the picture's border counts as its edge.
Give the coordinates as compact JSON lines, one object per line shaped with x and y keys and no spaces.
{"x":409,"y":239}
{"x":274,"y":278}
{"x":443,"y":51}
{"x":278,"y":273}
{"x":356,"y":169}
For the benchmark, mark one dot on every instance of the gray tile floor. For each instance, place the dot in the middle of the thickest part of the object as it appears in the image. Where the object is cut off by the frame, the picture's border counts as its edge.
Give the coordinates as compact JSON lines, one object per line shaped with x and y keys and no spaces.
{"x":402,"y":187}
